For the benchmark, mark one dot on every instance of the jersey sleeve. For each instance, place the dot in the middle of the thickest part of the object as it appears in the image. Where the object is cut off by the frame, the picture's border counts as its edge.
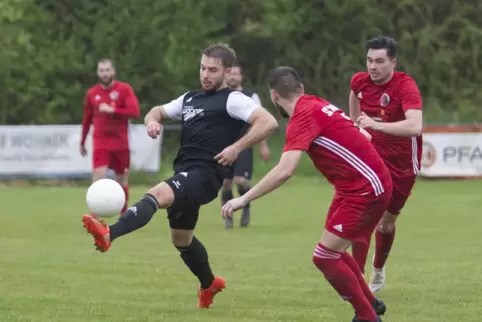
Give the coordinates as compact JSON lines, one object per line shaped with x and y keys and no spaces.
{"x":174,"y":108}
{"x":256,"y":99}
{"x":301,"y":131}
{"x":356,"y":81}
{"x":240,"y":106}
{"x":410,"y":95}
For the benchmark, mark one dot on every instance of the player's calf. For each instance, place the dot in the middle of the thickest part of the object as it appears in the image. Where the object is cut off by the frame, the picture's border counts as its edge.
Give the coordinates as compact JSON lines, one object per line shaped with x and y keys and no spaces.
{"x":195,"y":256}
{"x":138,"y":215}
{"x":328,"y":257}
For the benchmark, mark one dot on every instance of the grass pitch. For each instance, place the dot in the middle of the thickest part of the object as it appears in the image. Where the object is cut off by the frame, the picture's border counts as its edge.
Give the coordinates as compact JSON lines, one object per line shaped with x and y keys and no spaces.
{"x":49,"y":270}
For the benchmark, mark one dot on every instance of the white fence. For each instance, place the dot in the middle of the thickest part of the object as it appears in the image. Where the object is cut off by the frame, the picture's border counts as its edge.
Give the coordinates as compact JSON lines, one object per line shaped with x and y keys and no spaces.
{"x":52,"y":151}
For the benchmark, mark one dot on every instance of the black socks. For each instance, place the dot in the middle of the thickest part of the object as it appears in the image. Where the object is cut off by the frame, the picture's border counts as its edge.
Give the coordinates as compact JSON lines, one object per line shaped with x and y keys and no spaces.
{"x":195,"y":257}
{"x":135,"y":217}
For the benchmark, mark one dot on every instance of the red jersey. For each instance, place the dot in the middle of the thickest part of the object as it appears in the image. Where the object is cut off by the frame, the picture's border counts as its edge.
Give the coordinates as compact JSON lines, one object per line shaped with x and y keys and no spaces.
{"x":336,"y":147}
{"x":110,"y":129}
{"x":388,"y":103}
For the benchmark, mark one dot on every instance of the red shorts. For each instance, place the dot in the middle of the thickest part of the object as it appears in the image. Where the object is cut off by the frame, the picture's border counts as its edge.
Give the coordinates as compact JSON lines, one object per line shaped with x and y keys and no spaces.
{"x":119,"y":161}
{"x":356,"y":217}
{"x":402,"y":188}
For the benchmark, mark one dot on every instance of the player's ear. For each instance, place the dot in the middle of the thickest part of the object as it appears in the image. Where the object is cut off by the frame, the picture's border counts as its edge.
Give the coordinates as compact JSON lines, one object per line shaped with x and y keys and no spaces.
{"x":227,"y":71}
{"x":394,"y":62}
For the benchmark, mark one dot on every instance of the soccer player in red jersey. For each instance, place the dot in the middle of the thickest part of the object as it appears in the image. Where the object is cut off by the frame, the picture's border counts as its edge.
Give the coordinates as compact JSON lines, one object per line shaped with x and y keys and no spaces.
{"x":388,"y":105}
{"x":348,"y":160}
{"x":108,"y":106}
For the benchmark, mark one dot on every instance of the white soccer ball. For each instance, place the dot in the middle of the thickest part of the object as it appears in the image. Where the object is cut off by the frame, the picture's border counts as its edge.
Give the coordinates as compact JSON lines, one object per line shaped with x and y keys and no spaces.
{"x":105,"y":198}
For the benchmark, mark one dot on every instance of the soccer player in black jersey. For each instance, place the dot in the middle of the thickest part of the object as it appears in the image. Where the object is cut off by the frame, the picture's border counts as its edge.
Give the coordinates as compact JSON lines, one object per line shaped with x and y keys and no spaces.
{"x":212,"y":118}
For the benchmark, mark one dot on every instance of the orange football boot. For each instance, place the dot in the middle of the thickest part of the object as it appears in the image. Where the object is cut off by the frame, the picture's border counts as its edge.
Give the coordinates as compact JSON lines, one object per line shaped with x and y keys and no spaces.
{"x":99,"y":230}
{"x":205,"y":297}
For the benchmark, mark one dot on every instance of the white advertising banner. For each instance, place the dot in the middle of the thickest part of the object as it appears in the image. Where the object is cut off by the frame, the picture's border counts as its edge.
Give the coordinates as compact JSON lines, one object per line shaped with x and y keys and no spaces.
{"x":53,"y":151}
{"x":452,"y":155}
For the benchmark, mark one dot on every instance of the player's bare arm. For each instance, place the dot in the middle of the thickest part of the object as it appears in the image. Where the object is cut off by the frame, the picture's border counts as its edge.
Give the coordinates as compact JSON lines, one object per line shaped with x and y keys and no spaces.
{"x":411,"y":126}
{"x":158,"y":114}
{"x":285,"y":168}
{"x":153,"y":120}
{"x":86,"y":123}
{"x":354,"y":107}
{"x":262,"y":123}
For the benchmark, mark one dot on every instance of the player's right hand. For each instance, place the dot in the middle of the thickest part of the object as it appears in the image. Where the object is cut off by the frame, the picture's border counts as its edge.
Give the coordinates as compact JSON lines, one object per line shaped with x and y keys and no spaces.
{"x":232,"y":206}
{"x":83,"y":151}
{"x":153,"y":129}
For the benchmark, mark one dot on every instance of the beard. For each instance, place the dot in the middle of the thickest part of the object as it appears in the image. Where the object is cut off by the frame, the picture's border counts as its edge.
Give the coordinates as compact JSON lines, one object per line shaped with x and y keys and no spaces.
{"x":233,"y":84}
{"x":213,"y":87}
{"x":106,"y":81}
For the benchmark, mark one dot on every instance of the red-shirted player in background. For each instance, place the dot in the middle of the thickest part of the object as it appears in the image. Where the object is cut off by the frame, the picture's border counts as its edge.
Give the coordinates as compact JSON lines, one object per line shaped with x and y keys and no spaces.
{"x":348,"y":160}
{"x":388,"y":105}
{"x":108,"y":106}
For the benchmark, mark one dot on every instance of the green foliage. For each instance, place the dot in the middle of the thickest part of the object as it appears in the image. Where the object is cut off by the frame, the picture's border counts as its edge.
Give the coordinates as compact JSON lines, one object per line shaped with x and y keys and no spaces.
{"x":51,"y":47}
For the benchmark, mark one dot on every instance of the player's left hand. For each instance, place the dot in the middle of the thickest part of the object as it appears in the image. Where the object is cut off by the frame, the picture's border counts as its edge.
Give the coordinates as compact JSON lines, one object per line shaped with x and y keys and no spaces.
{"x":227,"y":156}
{"x":366,"y":122}
{"x":106,"y":108}
{"x":264,"y":152}
{"x":233,"y":205}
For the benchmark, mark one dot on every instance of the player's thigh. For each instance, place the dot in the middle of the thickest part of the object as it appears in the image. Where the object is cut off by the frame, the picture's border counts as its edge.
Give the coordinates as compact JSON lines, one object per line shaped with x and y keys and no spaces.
{"x":402,"y":189}
{"x":120,"y":161}
{"x":335,"y":204}
{"x":101,"y":158}
{"x":356,"y":217}
{"x":191,"y":190}
{"x":244,"y":165}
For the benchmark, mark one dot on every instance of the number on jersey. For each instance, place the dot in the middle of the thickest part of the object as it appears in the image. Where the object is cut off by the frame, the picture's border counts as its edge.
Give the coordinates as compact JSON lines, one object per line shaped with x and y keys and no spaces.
{"x":332,"y":109}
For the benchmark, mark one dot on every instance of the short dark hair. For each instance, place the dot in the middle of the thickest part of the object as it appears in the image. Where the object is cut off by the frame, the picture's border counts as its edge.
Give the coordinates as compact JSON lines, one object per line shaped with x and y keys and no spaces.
{"x":223,"y":52}
{"x":383,"y":42}
{"x":106,"y":60}
{"x":285,"y":80}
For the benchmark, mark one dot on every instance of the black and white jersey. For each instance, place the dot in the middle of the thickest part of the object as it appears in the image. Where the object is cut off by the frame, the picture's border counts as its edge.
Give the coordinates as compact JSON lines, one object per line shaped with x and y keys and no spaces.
{"x":211,"y":121}
{"x":256,"y":99}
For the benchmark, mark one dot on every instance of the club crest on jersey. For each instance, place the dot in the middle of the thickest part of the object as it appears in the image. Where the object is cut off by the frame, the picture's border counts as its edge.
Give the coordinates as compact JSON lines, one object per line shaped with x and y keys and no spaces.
{"x":114,"y":95}
{"x":384,"y":100}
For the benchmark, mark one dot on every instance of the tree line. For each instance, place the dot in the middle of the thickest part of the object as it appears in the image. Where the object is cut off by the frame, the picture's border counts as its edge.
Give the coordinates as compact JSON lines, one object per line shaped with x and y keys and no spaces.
{"x":50,"y":49}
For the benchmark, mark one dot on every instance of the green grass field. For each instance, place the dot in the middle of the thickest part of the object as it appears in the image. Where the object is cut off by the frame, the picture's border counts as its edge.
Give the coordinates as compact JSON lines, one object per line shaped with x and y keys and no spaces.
{"x":49,"y":270}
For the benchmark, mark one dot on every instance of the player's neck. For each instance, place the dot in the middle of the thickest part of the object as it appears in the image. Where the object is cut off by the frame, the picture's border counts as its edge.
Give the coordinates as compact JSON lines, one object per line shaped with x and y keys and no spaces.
{"x":238,"y":88}
{"x":108,"y":85}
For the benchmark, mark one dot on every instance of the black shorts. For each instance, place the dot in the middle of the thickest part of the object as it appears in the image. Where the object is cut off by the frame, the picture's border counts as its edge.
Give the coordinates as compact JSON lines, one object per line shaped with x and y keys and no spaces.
{"x":193,"y":188}
{"x":243,"y":167}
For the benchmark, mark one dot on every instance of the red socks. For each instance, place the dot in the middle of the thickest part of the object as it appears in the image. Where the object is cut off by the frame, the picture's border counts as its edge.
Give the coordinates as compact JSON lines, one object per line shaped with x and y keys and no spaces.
{"x":350,"y":262}
{"x":343,"y":274}
{"x":126,"y":192}
{"x":360,"y":254}
{"x":383,"y":245}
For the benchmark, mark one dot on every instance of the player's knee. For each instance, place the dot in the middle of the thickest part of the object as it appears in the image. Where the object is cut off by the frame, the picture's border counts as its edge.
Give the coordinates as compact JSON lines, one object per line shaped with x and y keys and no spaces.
{"x":386,"y":227}
{"x":240,"y":181}
{"x":387,"y":223}
{"x":243,"y":186}
{"x":122,"y":179}
{"x":99,"y":173}
{"x":181,"y":238}
{"x":163,"y":194}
